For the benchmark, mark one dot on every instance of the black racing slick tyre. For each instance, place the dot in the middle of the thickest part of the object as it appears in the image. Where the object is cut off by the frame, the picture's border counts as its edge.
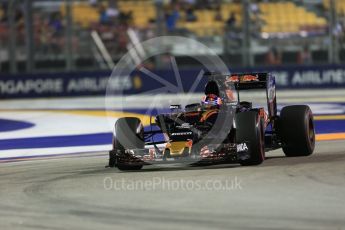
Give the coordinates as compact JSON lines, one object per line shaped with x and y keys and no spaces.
{"x":296,"y":128}
{"x":128,"y":134}
{"x":250,"y":130}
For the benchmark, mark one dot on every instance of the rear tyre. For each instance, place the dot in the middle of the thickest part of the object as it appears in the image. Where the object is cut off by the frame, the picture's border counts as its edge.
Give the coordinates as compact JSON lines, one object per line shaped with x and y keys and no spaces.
{"x":250,"y":130}
{"x":129,"y":134}
{"x":296,"y":128}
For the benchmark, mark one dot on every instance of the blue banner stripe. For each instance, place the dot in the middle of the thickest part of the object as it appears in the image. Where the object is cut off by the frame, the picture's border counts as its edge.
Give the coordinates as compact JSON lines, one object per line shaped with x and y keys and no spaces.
{"x":57,"y":141}
{"x":330,"y":126}
{"x":95,"y":83}
{"x":12,"y":125}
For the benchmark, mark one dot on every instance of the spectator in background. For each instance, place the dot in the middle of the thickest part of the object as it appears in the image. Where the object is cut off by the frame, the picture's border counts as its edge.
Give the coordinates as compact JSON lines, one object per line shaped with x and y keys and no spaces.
{"x":340,"y":27}
{"x":189,"y":2}
{"x":218,"y":16}
{"x":190,"y":16}
{"x":254,"y":8}
{"x":273,"y":57}
{"x":150,"y":31}
{"x":103,"y":16}
{"x":108,"y":15}
{"x":214,"y":3}
{"x":3,"y":24}
{"x":304,"y":57}
{"x":57,"y":28}
{"x":18,"y":14}
{"x":56,"y":24}
{"x":233,"y":31}
{"x":171,"y":18}
{"x":208,"y":4}
{"x":3,"y":16}
{"x":112,"y":11}
{"x":255,"y":18}
{"x":121,"y":38}
{"x":19,"y":17}
{"x":203,"y":4}
{"x":45,"y":36}
{"x":125,"y":18}
{"x":93,"y":3}
{"x":231,"y":22}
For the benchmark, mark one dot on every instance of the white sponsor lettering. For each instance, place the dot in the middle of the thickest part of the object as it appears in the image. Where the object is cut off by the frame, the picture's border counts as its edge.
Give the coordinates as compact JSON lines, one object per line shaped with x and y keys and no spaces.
{"x":120,"y":83}
{"x":37,"y":86}
{"x":242,"y":147}
{"x":282,"y":78}
{"x":175,"y":106}
{"x":98,"y":85}
{"x":47,"y":85}
{"x":87,"y":84}
{"x":309,"y":77}
{"x":181,"y":134}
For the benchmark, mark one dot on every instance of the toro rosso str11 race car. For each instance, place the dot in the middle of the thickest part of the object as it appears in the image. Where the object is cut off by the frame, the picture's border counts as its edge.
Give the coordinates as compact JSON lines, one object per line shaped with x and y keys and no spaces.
{"x":220,"y":129}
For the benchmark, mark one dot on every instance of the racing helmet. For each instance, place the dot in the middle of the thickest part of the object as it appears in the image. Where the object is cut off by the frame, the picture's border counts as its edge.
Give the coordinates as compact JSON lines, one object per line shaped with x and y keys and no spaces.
{"x":211,"y":97}
{"x":211,"y":100}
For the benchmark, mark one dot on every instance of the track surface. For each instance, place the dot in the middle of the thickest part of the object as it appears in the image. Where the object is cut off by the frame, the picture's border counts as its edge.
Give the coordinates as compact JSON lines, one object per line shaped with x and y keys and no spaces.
{"x":282,"y":193}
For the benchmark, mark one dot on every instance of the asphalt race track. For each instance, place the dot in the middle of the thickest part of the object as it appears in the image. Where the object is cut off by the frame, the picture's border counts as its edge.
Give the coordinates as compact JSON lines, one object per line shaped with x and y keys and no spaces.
{"x":77,"y":192}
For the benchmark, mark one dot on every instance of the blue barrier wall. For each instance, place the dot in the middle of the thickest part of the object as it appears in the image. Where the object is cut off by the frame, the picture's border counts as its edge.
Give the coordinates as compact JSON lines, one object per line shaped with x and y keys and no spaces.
{"x":95,"y":83}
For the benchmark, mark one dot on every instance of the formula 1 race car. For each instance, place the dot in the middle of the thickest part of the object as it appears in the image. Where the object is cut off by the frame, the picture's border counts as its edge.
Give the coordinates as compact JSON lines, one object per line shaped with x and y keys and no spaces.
{"x":219,"y":129}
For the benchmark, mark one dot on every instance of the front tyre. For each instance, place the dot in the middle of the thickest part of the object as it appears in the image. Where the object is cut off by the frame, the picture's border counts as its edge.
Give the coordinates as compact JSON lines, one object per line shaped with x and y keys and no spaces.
{"x":250,"y":130}
{"x":296,"y":127}
{"x":128,"y":134}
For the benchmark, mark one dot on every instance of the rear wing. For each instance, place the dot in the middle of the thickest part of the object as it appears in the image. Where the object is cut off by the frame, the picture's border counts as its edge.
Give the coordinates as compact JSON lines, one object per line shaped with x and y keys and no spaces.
{"x":247,"y":81}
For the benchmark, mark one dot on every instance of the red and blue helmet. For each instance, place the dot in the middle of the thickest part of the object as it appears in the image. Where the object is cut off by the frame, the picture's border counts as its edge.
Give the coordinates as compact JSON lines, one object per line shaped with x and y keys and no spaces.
{"x":211,"y":99}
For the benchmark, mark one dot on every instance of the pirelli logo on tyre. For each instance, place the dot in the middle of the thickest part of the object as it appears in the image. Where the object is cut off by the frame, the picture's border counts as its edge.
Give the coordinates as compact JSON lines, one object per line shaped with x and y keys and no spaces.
{"x":242,"y":147}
